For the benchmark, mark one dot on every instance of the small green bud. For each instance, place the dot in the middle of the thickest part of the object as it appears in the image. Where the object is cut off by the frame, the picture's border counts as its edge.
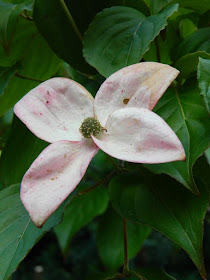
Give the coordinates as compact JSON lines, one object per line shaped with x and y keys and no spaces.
{"x":90,"y":126}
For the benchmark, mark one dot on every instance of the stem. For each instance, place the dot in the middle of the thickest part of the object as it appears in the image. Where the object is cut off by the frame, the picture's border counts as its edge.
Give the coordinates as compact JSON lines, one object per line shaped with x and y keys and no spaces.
{"x":122,"y":164}
{"x":125,"y":239}
{"x":139,"y":276}
{"x":71,"y":20}
{"x":27,"y":17}
{"x":114,"y":163}
{"x":101,"y":182}
{"x":28,"y":78}
{"x":116,"y":276}
{"x":157,"y":49}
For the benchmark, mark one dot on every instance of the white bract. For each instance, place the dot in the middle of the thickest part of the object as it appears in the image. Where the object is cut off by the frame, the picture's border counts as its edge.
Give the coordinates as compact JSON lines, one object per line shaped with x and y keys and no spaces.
{"x":119,"y":121}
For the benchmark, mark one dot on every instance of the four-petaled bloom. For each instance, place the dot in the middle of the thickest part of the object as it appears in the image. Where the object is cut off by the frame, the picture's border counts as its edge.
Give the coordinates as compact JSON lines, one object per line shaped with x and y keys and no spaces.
{"x":119,"y":122}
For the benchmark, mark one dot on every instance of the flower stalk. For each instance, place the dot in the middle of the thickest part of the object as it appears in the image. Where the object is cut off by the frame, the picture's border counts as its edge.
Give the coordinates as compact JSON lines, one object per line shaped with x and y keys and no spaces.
{"x":101,"y":182}
{"x":125,"y":240}
{"x":71,"y":20}
{"x":28,"y":78}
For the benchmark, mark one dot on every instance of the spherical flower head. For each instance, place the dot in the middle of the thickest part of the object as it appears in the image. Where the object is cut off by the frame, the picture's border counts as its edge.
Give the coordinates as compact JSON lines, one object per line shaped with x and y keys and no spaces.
{"x":90,"y":126}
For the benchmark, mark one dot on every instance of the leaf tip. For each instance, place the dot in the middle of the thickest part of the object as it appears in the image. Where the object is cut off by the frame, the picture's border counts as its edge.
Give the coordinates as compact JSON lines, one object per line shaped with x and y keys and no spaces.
{"x":204,"y":276}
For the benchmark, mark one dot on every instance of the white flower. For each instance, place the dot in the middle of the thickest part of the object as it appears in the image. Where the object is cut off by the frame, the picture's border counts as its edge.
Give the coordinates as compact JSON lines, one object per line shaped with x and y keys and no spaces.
{"x":119,"y":121}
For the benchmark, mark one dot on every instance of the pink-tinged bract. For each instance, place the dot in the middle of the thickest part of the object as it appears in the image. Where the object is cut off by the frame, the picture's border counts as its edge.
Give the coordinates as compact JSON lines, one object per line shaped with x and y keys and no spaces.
{"x":139,"y":135}
{"x":55,"y":110}
{"x":53,"y":176}
{"x":140,"y":85}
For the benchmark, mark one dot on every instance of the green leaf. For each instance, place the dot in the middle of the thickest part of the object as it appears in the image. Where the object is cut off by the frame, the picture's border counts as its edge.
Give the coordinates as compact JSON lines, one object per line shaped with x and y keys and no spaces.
{"x":21,"y":41}
{"x":182,"y":14}
{"x":91,"y":83}
{"x":162,"y":203}
{"x":187,"y":27}
{"x":139,"y":5}
{"x":188,"y":63}
{"x":166,"y":44}
{"x":110,"y":239}
{"x":17,"y":232}
{"x":183,"y":110}
{"x":21,"y":150}
{"x":198,"y":41}
{"x":119,"y":36}
{"x":152,"y":274}
{"x":204,"y":80}
{"x":5,"y":76}
{"x":207,"y":154}
{"x":78,"y":213}
{"x":8,"y":19}
{"x":51,"y":19}
{"x":32,"y":68}
{"x":199,"y":6}
{"x":31,"y":64}
{"x":14,"y":91}
{"x":204,"y":19}
{"x":157,"y":5}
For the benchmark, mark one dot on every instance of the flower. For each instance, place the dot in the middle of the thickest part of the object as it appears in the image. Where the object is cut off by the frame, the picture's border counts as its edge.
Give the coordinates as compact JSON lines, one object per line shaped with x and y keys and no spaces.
{"x":119,"y":121}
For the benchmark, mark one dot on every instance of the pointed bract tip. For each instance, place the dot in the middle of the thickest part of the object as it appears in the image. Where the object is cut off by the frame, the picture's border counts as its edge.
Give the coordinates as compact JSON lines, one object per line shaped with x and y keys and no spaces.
{"x":38,"y":224}
{"x":198,"y":194}
{"x":183,"y":156}
{"x":204,"y":277}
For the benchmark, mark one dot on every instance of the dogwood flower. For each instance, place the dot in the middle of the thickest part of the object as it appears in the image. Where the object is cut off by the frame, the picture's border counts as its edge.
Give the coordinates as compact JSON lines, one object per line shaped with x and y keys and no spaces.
{"x":119,"y":122}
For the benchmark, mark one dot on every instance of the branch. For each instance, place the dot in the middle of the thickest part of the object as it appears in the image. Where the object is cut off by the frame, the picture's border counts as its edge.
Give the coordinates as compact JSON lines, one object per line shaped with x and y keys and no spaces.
{"x":125,"y":239}
{"x":26,"y":16}
{"x":101,"y":182}
{"x":157,"y":49}
{"x":28,"y":78}
{"x":71,"y":20}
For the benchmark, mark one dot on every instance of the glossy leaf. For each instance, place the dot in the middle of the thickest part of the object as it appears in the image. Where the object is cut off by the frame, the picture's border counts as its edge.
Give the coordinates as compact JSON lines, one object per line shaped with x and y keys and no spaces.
{"x":188,"y":63}
{"x":17,"y":232}
{"x":34,"y":67}
{"x":204,"y":80}
{"x":152,"y":273}
{"x":15,"y":90}
{"x":199,"y":6}
{"x":110,"y":239}
{"x":207,"y":154}
{"x":5,"y":76}
{"x":9,"y":14}
{"x":92,"y":83}
{"x":183,"y":110}
{"x":119,"y":36}
{"x":165,"y":205}
{"x":186,"y":27}
{"x":157,"y":5}
{"x":78,"y":213}
{"x":204,"y":19}
{"x":198,"y":41}
{"x":21,"y":150}
{"x":51,"y":19}
{"x":21,"y":41}
{"x":139,"y":5}
{"x":164,"y":47}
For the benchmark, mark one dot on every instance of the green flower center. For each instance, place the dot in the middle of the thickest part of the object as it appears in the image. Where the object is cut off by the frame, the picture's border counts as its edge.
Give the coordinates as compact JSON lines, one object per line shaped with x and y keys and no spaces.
{"x":90,"y":126}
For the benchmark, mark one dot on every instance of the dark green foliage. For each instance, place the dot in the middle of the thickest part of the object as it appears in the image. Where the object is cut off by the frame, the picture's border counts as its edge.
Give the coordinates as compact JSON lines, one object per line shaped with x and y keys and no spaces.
{"x":43,"y":39}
